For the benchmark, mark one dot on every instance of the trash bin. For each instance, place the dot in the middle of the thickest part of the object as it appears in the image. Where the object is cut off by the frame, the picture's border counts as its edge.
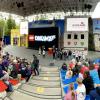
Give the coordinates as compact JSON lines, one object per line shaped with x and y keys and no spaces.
{"x":50,"y":51}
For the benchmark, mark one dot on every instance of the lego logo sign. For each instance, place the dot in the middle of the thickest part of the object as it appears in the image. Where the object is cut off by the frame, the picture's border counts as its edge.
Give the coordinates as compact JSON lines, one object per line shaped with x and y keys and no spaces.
{"x":42,"y":38}
{"x":31,"y":38}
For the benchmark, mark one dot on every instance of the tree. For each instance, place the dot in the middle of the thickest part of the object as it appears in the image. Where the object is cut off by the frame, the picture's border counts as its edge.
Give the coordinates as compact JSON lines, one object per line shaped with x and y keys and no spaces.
{"x":10,"y":24}
{"x":17,"y":26}
{"x":2,"y":24}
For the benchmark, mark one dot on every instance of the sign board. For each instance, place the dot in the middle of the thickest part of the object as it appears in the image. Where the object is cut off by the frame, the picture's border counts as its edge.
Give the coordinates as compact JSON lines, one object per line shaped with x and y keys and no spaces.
{"x":77,"y":24}
{"x":96,"y":25}
{"x":24,"y":27}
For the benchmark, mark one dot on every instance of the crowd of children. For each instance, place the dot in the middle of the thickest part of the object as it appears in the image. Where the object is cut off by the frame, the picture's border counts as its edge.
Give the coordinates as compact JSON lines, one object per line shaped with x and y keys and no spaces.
{"x":11,"y":67}
{"x":87,"y":71}
{"x":88,"y":79}
{"x":68,"y":54}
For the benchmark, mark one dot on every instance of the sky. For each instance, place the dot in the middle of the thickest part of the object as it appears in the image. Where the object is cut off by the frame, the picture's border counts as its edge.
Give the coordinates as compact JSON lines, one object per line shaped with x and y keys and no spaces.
{"x":96,"y":13}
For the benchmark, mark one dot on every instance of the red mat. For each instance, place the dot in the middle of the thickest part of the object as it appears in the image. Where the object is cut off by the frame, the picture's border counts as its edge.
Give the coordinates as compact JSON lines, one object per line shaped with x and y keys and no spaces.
{"x":13,"y":81}
{"x":3,"y":87}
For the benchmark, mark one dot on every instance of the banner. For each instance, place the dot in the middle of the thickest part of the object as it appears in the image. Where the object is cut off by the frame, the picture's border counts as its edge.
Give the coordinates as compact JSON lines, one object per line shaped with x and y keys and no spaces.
{"x":24,"y":27}
{"x":96,"y":25}
{"x":77,"y":24}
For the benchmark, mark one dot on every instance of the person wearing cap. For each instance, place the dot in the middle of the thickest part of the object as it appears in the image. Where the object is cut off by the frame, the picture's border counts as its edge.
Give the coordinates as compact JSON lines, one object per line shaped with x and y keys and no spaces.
{"x":83,"y":69}
{"x":64,"y":66}
{"x":81,"y":90}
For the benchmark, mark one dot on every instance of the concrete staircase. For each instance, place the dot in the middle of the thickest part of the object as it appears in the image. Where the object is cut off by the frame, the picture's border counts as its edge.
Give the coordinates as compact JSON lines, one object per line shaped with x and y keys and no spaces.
{"x":46,"y":86}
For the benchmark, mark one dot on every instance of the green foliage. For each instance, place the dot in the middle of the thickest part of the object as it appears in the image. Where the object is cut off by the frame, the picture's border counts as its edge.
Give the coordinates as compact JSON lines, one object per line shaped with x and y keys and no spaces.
{"x":10,"y":24}
{"x":17,"y":27}
{"x":7,"y":25}
{"x":2,"y":24}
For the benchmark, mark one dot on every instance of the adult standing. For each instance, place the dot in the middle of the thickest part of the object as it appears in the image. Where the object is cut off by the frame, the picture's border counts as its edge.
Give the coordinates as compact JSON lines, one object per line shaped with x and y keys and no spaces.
{"x":54,"y":52}
{"x":43,"y":53}
{"x":35,"y":65}
{"x":40,"y":51}
{"x":69,"y":54}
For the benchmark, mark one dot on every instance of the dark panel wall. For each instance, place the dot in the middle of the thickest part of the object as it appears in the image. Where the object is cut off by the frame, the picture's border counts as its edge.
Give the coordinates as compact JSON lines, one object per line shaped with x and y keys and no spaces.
{"x":50,"y":31}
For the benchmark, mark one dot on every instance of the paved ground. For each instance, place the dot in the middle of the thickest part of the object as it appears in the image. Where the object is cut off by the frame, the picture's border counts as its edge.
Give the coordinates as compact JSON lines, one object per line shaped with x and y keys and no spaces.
{"x":47,"y":85}
{"x":27,"y":53}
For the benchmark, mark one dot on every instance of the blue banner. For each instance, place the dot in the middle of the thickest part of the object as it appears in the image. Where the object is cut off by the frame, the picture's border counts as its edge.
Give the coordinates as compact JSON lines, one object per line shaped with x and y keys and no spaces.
{"x":96,"y":25}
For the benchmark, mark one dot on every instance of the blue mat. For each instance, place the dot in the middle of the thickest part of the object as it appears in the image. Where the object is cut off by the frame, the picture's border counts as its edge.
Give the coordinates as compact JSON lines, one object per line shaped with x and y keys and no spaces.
{"x":75,"y":86}
{"x":66,"y":88}
{"x":68,"y":81}
{"x":63,"y":73}
{"x":96,"y":61}
{"x":87,"y":97}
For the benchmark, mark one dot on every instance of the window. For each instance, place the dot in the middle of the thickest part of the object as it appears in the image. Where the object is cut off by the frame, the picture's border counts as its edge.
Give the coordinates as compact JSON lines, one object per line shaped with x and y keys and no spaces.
{"x":82,"y":36}
{"x":69,"y":36}
{"x":99,"y":39}
{"x":75,"y":36}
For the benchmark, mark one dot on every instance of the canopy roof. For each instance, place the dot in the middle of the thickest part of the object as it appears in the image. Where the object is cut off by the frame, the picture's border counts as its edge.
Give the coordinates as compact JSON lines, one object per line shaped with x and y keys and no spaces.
{"x":29,"y":7}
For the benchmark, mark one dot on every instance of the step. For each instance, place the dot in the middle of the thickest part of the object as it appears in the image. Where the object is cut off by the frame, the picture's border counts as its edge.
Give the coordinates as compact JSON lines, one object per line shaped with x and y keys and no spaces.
{"x":6,"y":98}
{"x":48,"y":72}
{"x":17,"y":95}
{"x":44,"y":83}
{"x":46,"y":78}
{"x":40,"y":96}
{"x":49,"y":75}
{"x":49,"y":69}
{"x":41,"y":90}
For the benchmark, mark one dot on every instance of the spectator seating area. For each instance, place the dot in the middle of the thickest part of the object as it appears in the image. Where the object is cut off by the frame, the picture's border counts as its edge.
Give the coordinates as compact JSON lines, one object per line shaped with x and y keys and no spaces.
{"x":50,"y":80}
{"x":39,"y":87}
{"x":65,"y":82}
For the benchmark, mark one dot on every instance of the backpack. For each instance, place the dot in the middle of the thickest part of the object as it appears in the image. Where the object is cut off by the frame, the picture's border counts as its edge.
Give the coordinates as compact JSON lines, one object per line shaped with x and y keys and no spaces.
{"x":9,"y":85}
